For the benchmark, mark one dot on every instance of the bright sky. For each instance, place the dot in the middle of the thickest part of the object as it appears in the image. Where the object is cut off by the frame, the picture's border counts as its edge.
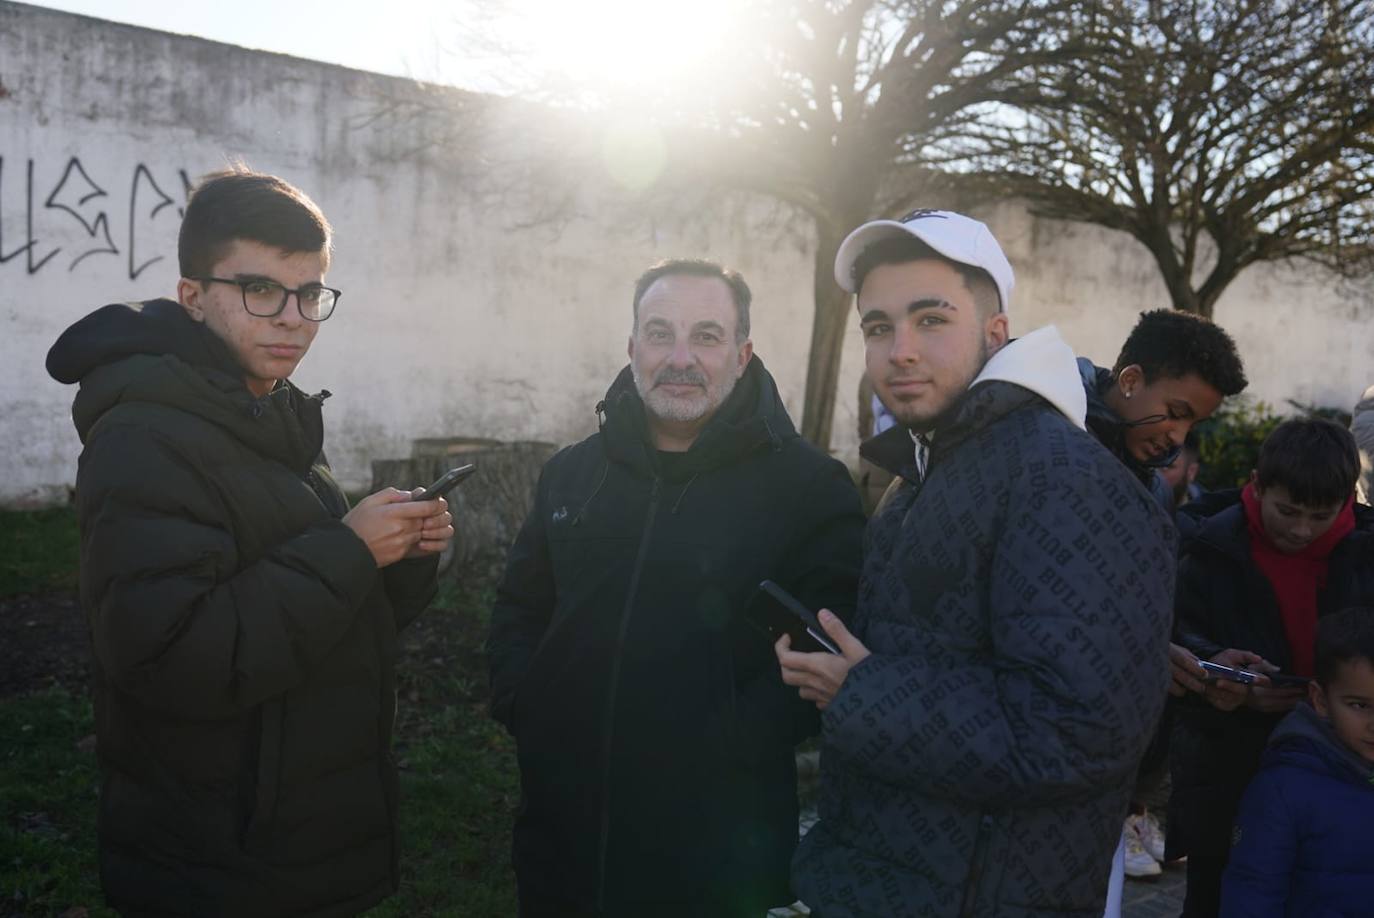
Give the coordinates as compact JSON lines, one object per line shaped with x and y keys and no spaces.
{"x":621,"y":42}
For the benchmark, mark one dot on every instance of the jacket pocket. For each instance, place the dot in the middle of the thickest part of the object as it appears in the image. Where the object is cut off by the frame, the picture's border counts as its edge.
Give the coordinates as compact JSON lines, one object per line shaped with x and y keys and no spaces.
{"x":266,"y":772}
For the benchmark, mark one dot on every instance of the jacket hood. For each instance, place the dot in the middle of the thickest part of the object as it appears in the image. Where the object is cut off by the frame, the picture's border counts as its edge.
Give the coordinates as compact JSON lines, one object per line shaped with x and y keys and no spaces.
{"x":753,"y":416}
{"x":1365,"y":406}
{"x":1109,"y":427}
{"x":156,"y":327}
{"x":1038,"y":366}
{"x":1304,"y":739}
{"x":152,"y":352}
{"x":1044,"y":364}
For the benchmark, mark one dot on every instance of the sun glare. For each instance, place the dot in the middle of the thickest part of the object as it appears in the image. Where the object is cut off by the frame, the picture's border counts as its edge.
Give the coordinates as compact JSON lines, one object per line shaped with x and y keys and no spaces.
{"x":619,"y":43}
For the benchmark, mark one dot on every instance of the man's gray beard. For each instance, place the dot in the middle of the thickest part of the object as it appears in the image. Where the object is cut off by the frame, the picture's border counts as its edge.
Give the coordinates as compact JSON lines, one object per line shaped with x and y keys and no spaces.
{"x":668,"y":408}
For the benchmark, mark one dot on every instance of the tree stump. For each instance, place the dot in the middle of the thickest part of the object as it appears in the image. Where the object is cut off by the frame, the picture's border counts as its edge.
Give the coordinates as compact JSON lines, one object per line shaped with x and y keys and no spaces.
{"x":488,"y":509}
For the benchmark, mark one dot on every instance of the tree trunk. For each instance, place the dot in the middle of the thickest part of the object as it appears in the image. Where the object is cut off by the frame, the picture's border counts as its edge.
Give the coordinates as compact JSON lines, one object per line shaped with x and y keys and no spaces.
{"x":827,"y":340}
{"x":488,"y":509}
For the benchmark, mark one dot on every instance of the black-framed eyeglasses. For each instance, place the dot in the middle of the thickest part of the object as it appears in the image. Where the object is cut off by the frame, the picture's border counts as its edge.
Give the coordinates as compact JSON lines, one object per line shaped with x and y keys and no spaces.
{"x":266,"y":299}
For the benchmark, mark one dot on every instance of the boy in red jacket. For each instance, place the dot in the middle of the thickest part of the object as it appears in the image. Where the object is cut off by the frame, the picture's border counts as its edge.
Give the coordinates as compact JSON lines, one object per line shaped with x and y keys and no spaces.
{"x":1251,"y":586}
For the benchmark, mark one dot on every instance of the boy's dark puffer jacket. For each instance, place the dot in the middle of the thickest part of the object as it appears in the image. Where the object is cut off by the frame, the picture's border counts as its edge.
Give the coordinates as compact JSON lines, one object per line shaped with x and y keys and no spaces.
{"x":244,"y":639}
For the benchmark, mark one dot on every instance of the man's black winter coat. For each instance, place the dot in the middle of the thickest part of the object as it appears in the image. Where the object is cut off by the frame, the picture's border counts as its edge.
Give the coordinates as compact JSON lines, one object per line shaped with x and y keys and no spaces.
{"x":244,"y":639}
{"x":1224,"y":600}
{"x":655,"y":734}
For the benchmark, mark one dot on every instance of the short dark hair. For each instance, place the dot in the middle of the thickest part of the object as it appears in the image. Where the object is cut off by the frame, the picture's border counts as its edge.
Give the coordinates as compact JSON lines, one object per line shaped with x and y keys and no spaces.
{"x":700,"y":267}
{"x":1316,"y":460}
{"x":241,"y":204}
{"x":899,"y":250}
{"x":1343,"y":637}
{"x":1168,"y":344}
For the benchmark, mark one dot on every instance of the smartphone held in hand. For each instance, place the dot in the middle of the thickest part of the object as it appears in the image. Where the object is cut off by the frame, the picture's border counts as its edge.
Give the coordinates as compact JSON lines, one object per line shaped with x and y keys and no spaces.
{"x":1230,"y":674}
{"x":447,"y":482}
{"x":778,"y":612}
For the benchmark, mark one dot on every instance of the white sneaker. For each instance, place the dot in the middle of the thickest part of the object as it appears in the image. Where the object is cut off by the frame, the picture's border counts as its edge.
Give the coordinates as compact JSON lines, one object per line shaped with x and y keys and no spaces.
{"x":1139,"y":863}
{"x":1151,"y":835}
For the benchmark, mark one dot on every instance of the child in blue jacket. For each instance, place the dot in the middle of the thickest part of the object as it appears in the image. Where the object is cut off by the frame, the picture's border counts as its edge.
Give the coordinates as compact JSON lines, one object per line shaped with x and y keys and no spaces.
{"x":1302,"y":841}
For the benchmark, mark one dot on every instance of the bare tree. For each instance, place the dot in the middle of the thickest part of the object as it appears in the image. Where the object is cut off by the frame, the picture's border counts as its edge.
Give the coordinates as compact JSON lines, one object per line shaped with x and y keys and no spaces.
{"x":1219,"y":133}
{"x":830,"y":106}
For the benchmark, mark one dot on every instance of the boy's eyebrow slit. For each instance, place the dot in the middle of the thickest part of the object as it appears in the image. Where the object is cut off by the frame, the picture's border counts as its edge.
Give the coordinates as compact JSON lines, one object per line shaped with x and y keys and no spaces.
{"x":930,"y":303}
{"x":873,"y":315}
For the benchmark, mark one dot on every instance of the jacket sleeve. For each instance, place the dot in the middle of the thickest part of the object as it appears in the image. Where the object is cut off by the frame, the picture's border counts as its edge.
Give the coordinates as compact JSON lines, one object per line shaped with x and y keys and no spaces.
{"x":821,"y":568}
{"x":1068,"y":692}
{"x":178,"y":619}
{"x":523,"y":609}
{"x":1194,"y":607}
{"x":1259,"y":873}
{"x":411,"y":585}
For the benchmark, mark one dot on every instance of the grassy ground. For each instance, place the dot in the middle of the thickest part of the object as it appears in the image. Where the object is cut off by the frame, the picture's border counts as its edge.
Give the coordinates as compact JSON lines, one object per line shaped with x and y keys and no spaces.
{"x":38,"y":551}
{"x":458,"y":775}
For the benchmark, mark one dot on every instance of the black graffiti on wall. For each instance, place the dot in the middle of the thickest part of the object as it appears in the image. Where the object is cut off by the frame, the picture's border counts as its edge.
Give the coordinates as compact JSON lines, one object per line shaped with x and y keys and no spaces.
{"x":76,"y":205}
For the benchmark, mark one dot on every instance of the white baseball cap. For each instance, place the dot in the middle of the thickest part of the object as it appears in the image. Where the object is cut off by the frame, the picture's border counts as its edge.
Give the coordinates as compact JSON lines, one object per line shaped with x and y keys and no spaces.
{"x":954,"y":236}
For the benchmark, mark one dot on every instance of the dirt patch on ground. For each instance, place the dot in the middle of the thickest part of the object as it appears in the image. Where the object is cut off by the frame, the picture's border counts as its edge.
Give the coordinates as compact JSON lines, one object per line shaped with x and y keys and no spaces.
{"x":43,"y":641}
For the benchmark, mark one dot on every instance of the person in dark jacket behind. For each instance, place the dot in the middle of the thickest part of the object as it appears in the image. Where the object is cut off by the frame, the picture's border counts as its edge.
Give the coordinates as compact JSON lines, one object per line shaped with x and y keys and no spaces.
{"x":1006,"y":666}
{"x":1301,"y":844}
{"x":1252,"y":585}
{"x":243,"y":618}
{"x":655,"y":738}
{"x":1173,"y":371}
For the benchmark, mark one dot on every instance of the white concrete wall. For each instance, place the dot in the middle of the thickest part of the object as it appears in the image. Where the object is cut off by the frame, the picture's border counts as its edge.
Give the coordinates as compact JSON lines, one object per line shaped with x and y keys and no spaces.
{"x":465,"y":313}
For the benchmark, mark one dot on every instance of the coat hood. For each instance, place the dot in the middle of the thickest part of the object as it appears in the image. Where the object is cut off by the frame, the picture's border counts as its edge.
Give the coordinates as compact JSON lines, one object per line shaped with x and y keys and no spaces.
{"x":1035,"y":367}
{"x":753,"y":416}
{"x":152,"y":352}
{"x":156,"y":327}
{"x":1044,"y":364}
{"x":1304,"y":739}
{"x":1109,"y":427}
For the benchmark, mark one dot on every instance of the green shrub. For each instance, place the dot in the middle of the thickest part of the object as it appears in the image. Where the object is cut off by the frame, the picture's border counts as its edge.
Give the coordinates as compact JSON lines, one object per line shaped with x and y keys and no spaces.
{"x":1229,"y":442}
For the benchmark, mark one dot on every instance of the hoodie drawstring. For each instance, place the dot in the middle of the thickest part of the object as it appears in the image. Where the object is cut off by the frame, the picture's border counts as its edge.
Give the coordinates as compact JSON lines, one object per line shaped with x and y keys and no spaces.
{"x":678,"y":503}
{"x":605,"y":470}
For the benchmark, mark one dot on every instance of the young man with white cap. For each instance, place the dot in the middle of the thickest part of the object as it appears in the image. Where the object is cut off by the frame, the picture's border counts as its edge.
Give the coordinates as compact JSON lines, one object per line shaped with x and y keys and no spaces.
{"x":1007,"y":661}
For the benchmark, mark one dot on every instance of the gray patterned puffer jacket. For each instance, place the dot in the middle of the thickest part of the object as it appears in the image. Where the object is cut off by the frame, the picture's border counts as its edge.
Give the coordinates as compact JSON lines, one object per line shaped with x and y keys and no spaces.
{"x":1017,"y":606}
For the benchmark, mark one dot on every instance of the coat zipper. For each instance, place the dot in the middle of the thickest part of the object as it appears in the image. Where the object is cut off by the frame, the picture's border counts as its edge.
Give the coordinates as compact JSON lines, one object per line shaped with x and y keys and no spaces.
{"x":976,"y":865}
{"x":610,"y":700}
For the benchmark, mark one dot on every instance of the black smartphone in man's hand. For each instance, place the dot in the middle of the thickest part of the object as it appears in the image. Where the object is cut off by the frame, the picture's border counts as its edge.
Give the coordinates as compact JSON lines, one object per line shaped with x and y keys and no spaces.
{"x":779,"y":613}
{"x":447,"y":482}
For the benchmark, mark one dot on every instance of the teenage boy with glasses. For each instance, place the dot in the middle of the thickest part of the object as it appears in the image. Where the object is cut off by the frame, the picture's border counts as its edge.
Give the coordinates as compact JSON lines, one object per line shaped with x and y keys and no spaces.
{"x":243,"y":618}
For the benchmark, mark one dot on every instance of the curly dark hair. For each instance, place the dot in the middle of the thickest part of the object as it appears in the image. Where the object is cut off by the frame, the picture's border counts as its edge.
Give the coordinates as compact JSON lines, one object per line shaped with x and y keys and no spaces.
{"x":1168,"y":344}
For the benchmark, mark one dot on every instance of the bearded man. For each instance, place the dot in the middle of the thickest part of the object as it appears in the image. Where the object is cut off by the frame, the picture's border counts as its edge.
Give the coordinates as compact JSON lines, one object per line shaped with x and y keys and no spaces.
{"x":655,"y":735}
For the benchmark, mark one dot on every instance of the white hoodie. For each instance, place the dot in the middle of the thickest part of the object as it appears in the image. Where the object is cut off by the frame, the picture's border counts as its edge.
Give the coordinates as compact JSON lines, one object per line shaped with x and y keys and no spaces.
{"x":1043,"y":363}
